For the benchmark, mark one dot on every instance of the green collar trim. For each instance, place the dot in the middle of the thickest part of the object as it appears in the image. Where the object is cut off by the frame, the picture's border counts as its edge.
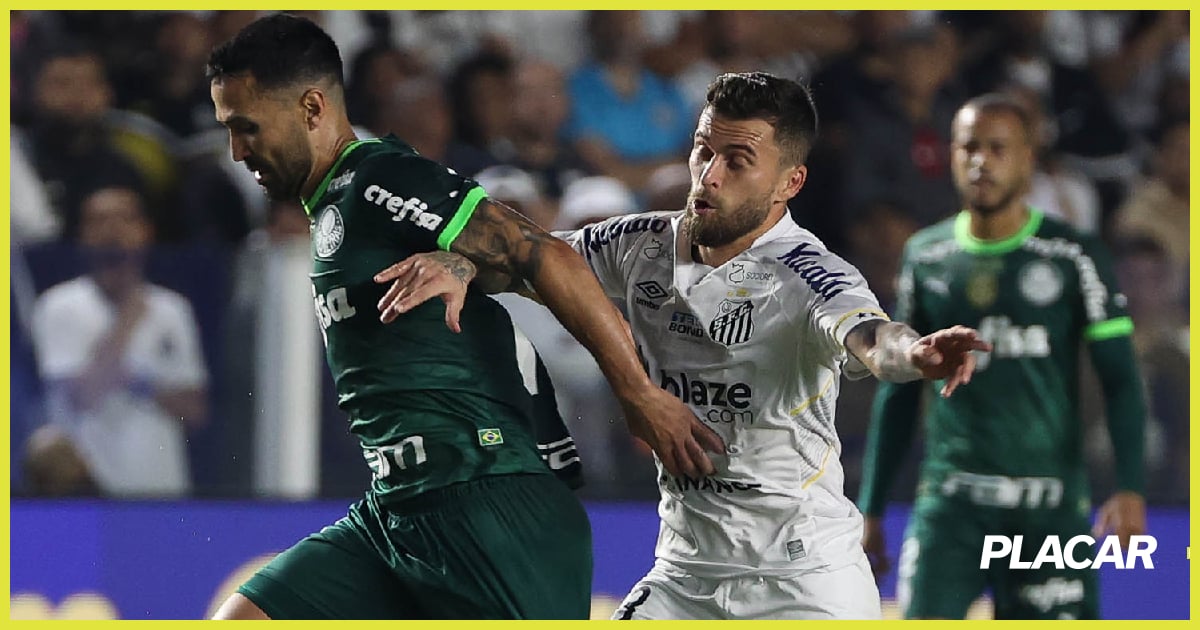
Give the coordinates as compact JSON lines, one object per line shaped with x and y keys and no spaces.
{"x":320,"y":191}
{"x":972,"y":245}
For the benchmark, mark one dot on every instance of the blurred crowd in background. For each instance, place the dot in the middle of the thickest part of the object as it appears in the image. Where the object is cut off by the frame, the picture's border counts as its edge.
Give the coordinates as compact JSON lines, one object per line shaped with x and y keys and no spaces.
{"x":152,"y":279}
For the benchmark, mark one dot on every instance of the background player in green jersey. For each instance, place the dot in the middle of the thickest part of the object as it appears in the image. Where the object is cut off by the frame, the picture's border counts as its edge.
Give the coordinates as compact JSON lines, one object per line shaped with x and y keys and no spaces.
{"x":463,"y":517}
{"x":1005,"y":456}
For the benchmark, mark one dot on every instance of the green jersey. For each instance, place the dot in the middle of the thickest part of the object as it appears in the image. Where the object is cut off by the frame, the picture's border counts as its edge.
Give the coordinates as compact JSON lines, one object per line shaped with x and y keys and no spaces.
{"x":429,"y":406}
{"x":1036,"y":296}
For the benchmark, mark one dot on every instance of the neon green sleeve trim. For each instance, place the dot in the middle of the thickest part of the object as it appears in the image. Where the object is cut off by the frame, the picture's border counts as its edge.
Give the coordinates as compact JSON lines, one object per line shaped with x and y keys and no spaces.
{"x":1115,"y":327}
{"x":465,"y":211}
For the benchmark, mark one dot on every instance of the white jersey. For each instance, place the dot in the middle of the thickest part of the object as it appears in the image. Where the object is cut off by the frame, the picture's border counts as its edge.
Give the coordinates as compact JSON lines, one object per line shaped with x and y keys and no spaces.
{"x":133,"y":447}
{"x":755,"y":348}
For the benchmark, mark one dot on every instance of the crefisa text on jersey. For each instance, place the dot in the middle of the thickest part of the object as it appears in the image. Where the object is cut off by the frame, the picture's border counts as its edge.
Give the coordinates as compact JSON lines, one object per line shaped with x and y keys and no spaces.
{"x":1058,"y":555}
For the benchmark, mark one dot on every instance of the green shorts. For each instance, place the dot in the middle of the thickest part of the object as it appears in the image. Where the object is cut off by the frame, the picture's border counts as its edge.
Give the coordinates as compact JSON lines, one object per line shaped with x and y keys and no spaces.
{"x":938,"y":568}
{"x":502,"y":547}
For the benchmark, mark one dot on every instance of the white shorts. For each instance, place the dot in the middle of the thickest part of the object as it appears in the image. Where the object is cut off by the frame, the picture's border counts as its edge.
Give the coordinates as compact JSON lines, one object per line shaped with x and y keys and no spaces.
{"x":667,"y":592}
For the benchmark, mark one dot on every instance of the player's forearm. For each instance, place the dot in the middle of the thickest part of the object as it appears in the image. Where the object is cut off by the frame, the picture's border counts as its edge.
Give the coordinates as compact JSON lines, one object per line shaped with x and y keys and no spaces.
{"x":566,"y":285}
{"x":1124,"y":407}
{"x":883,"y":348}
{"x":893,"y":422}
{"x":499,"y":239}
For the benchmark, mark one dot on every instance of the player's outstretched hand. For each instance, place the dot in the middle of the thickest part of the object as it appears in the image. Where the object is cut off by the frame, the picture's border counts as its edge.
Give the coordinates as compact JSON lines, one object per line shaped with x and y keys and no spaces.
{"x":875,"y":546}
{"x":420,"y":277}
{"x":673,"y":432}
{"x":1123,"y":514}
{"x":947,"y":354}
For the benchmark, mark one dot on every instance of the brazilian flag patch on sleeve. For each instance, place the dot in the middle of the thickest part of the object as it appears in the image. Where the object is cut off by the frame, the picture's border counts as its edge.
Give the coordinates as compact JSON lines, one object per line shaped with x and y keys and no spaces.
{"x":490,"y":437}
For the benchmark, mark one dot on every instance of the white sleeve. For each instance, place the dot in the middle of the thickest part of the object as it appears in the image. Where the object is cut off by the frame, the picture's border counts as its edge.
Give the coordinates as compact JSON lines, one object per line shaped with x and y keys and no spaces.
{"x":838,"y":300}
{"x":605,"y":246}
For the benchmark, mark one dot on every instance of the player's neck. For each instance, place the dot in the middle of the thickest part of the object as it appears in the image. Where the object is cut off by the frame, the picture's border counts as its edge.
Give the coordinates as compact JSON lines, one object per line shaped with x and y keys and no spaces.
{"x":327,"y":157}
{"x":1000,"y":225}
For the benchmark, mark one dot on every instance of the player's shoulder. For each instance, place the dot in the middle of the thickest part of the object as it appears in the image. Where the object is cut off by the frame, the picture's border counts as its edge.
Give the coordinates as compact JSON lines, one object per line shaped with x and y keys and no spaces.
{"x":389,"y":158}
{"x":933,"y":243}
{"x":1067,"y":237}
{"x":790,"y":245}
{"x":803,"y":261}
{"x":628,"y":230}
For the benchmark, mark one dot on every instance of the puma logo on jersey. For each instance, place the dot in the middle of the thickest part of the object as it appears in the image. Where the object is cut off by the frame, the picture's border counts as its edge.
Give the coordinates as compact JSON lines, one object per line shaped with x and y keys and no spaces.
{"x":341,"y":181}
{"x":412,"y":208}
{"x":804,"y":261}
{"x":1011,"y":341}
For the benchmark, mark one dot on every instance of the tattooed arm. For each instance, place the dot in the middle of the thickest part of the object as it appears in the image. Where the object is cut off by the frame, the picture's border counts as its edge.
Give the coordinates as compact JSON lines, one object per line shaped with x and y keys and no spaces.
{"x":500,"y":240}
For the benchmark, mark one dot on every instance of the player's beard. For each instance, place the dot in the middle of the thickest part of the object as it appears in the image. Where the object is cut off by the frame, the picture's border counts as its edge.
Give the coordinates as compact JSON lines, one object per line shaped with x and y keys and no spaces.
{"x":723,"y":226}
{"x":285,"y":182}
{"x":1006,"y":198}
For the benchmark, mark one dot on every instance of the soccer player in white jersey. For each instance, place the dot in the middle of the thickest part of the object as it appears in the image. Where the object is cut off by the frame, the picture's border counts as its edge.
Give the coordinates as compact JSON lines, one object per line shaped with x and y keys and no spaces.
{"x":751,"y":321}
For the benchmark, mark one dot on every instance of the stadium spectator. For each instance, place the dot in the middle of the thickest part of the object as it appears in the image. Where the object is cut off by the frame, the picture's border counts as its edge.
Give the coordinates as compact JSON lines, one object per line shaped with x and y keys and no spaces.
{"x":1160,"y":206}
{"x":896,"y":144}
{"x":539,"y":114}
{"x":625,"y":120}
{"x":418,"y":111}
{"x":121,"y":357}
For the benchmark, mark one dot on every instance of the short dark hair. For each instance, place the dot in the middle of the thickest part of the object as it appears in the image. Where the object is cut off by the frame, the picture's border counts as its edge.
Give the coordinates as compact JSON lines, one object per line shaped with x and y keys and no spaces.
{"x":1002,"y":103}
{"x":279,"y":50}
{"x":786,"y":104}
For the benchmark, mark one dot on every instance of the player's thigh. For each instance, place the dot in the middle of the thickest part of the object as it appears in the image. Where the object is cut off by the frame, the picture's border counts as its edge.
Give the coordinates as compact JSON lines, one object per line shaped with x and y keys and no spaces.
{"x":938,"y":574}
{"x":1048,"y":592}
{"x":667,"y":593}
{"x":333,"y":574}
{"x":505,"y":547}
{"x":846,"y":593}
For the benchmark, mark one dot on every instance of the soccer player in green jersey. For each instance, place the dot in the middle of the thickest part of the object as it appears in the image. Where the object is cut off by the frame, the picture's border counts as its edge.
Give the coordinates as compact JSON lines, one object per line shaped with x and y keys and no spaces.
{"x":464,"y":517}
{"x":1005,"y":456}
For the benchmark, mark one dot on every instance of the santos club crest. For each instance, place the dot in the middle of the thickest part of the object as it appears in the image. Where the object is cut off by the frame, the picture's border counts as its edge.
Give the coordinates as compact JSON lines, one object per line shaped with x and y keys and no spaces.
{"x":734,"y":322}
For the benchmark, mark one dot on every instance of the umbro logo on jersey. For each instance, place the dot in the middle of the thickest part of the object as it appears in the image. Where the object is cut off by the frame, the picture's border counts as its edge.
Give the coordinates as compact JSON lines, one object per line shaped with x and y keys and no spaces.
{"x":652,"y":290}
{"x":734,"y":322}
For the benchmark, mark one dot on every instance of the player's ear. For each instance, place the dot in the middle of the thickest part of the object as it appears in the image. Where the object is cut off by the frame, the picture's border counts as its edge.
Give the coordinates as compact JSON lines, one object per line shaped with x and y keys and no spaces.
{"x":315,"y":106}
{"x":796,"y":176}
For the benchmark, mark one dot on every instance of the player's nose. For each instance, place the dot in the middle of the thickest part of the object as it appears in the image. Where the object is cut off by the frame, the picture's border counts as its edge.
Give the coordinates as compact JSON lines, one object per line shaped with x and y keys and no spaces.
{"x":238,"y":149}
{"x":712,"y":174}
